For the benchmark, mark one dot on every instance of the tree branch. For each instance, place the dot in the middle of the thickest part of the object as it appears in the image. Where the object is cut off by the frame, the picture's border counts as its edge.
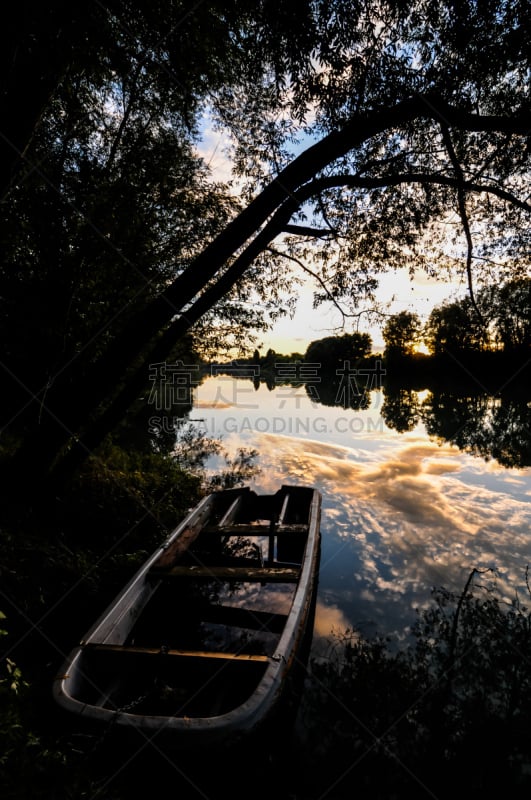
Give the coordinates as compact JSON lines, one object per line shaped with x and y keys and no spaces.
{"x":423,"y":178}
{"x":314,"y":275}
{"x":304,"y":230}
{"x":125,"y":118}
{"x":454,"y":631}
{"x":324,"y":215}
{"x":461,"y":202}
{"x":136,"y":379}
{"x":293,"y":185}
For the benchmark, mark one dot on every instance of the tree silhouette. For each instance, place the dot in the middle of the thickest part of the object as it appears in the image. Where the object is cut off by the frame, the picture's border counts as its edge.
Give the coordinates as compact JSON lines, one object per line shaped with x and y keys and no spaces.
{"x":333,"y":351}
{"x":401,"y":136}
{"x":401,"y":333}
{"x":512,"y":315}
{"x":455,"y":328}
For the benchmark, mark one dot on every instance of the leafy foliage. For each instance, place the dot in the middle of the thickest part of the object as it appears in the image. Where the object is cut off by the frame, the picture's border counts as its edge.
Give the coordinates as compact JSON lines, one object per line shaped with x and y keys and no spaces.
{"x":512,"y":315}
{"x":454,"y":328}
{"x":447,"y":710}
{"x":194,"y":450}
{"x":332,"y":351}
{"x":118,"y":239}
{"x":401,"y":333}
{"x":62,"y":562}
{"x":498,"y":317}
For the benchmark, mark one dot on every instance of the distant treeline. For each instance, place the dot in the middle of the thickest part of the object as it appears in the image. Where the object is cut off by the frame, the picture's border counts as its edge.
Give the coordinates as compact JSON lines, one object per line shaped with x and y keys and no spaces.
{"x":335,"y":357}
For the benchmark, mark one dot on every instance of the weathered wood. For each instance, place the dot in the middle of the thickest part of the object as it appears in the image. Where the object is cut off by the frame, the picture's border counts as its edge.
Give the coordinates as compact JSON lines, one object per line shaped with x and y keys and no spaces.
{"x":222,"y":695}
{"x":181,"y":544}
{"x":231,"y":512}
{"x":157,"y":651}
{"x":282,"y":516}
{"x":250,"y":529}
{"x":266,"y":574}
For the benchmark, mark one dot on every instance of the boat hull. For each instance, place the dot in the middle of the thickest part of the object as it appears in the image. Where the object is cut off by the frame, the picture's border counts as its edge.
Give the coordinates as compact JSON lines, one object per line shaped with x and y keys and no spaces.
{"x":200,"y":646}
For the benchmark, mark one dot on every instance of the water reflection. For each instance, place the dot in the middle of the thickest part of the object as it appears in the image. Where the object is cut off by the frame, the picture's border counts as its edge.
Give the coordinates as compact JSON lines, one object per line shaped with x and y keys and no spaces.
{"x":489,"y":427}
{"x":401,"y":409}
{"x":418,"y":488}
{"x":396,"y":526}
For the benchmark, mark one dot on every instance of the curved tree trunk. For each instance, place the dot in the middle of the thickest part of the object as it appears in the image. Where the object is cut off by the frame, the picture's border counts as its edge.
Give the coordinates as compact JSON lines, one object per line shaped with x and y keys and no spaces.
{"x":105,"y":391}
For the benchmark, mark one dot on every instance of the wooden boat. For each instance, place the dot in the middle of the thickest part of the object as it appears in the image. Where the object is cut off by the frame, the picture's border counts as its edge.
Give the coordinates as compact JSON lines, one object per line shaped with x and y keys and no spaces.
{"x":199,"y":645}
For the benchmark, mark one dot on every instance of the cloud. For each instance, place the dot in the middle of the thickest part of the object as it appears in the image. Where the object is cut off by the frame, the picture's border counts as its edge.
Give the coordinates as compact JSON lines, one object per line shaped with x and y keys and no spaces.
{"x":400,"y":520}
{"x":213,"y":148}
{"x":328,"y":619}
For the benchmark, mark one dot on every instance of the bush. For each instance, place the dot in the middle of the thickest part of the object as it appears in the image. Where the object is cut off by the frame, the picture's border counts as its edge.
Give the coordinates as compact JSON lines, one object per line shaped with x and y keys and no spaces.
{"x":448,"y":714}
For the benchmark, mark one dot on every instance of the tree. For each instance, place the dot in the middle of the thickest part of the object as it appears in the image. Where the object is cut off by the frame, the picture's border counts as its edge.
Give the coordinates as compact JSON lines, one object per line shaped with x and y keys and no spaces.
{"x":181,"y":49}
{"x":512,"y":315}
{"x":455,"y":328}
{"x":401,"y":333}
{"x":402,"y":136}
{"x":332,"y":351}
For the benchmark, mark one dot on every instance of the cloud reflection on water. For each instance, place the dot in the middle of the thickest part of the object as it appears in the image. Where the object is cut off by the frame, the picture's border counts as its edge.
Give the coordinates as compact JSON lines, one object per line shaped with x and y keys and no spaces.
{"x":399,"y":521}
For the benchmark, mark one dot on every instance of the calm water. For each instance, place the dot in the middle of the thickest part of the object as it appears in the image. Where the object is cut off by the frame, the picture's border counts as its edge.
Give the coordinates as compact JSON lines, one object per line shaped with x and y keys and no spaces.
{"x":403,"y":512}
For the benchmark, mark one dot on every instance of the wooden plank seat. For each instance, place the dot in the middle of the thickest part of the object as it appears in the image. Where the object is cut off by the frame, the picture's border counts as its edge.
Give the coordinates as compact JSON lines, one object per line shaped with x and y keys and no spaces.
{"x":250,"y":529}
{"x":271,"y":574}
{"x":171,"y":653}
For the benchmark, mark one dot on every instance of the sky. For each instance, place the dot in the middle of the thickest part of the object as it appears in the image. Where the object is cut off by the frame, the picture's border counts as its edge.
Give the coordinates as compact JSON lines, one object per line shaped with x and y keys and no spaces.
{"x":419,"y":295}
{"x":294,"y":334}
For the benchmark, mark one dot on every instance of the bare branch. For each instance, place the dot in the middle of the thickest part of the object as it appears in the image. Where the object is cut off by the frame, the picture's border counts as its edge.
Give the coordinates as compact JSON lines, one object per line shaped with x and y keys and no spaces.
{"x":451,"y":659}
{"x":461,"y":202}
{"x":324,"y":215}
{"x":247,"y":235}
{"x":314,"y":275}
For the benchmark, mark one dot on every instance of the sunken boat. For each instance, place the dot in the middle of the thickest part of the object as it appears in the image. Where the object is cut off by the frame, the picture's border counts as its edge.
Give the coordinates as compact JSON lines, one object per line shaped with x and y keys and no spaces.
{"x":199,"y":645}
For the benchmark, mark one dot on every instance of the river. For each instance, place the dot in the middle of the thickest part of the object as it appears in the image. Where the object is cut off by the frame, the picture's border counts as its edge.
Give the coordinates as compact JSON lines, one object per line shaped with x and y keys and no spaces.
{"x":404,"y":509}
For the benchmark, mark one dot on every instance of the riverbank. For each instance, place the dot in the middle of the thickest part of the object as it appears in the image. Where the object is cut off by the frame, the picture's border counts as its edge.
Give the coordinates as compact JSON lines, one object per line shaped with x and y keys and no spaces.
{"x":371,"y":718}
